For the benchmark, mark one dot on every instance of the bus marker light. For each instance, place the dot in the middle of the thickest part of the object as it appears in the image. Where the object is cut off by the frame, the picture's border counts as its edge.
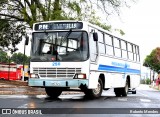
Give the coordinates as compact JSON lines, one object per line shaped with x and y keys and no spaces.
{"x":34,"y":76}
{"x":81,"y":76}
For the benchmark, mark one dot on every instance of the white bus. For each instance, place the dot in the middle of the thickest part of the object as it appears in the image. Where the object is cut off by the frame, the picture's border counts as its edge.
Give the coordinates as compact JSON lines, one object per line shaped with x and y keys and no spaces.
{"x":87,"y":58}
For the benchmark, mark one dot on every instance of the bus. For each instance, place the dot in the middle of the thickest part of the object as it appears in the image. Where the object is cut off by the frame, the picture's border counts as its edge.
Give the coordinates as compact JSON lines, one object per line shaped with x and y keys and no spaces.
{"x":87,"y":58}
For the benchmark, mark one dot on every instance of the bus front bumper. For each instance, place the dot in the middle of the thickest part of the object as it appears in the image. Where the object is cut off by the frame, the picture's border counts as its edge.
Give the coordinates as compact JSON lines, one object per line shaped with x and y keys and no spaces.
{"x":72,"y":83}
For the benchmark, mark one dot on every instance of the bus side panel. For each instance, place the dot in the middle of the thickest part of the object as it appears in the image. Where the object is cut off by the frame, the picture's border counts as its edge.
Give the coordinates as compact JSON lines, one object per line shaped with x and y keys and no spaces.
{"x":116,"y":80}
{"x":113,"y":72}
{"x":134,"y":81}
{"x":117,"y":70}
{"x":93,"y":80}
{"x":93,"y":76}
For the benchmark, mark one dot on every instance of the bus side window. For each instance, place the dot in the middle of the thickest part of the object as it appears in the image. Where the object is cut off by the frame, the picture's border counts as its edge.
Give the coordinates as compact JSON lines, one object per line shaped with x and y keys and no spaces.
{"x":124,"y":49}
{"x":134,"y":53}
{"x":130,"y":51}
{"x":101,"y":43}
{"x":117,"y":50}
{"x":109,"y":44}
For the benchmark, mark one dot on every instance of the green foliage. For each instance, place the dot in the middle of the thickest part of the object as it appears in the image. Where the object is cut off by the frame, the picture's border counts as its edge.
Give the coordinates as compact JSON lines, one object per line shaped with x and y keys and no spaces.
{"x":19,"y":57}
{"x":75,"y":7}
{"x":147,"y":81}
{"x":10,"y":34}
{"x":142,"y":81}
{"x":3,"y":29}
{"x":104,"y":26}
{"x":120,"y":31}
{"x":31,"y":11}
{"x":3,"y":57}
{"x":3,"y":2}
{"x":153,"y":60}
{"x":16,"y":58}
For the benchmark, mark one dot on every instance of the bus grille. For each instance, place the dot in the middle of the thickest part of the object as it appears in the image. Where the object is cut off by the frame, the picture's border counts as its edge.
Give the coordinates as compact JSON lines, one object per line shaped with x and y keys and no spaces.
{"x":56,"y":72}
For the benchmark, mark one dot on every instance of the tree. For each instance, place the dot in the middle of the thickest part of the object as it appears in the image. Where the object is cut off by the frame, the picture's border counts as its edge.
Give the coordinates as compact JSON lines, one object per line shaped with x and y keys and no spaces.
{"x":3,"y":57}
{"x":18,"y":58}
{"x":153,"y":60}
{"x":10,"y":34}
{"x":31,"y":11}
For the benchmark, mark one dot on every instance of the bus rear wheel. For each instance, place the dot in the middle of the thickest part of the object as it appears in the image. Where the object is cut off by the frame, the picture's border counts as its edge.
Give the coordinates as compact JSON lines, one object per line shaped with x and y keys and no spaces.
{"x":125,"y":89}
{"x":95,"y":93}
{"x":53,"y":92}
{"x":121,"y":91}
{"x":134,"y":92}
{"x":118,"y":92}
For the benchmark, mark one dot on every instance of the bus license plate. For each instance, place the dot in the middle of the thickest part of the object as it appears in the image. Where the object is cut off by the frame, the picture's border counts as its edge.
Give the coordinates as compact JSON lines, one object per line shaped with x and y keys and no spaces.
{"x":56,"y":83}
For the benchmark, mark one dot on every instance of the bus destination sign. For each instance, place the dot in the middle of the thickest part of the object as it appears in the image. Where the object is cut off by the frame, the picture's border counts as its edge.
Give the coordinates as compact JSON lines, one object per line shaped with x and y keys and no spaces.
{"x":58,"y":26}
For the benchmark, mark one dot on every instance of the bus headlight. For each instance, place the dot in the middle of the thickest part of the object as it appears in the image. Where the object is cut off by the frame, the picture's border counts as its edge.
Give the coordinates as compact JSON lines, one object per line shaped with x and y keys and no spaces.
{"x":80,"y":76}
{"x":34,"y":75}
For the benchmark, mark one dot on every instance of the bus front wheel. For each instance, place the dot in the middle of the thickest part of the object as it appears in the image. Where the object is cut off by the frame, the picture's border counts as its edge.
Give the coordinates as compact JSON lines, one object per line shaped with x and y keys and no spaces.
{"x":95,"y":93}
{"x":53,"y":92}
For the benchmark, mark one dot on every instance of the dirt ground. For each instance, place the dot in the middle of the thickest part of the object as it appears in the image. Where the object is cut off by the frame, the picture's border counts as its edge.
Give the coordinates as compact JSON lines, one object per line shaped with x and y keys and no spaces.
{"x":22,"y":88}
{"x":13,"y":82}
{"x":18,"y":87}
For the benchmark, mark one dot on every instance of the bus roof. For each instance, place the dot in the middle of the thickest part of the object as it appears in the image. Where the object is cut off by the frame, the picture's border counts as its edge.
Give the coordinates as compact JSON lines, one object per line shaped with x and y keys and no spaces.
{"x":85,"y":26}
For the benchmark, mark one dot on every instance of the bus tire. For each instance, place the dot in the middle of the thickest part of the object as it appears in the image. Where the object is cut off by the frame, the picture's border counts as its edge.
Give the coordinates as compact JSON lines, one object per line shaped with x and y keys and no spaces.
{"x":125,"y":89}
{"x":117,"y":92}
{"x":95,"y":93}
{"x":53,"y":92}
{"x":134,"y":92}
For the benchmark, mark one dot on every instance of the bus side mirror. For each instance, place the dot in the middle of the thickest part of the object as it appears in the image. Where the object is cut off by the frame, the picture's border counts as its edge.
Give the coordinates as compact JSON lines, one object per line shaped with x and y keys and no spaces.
{"x":27,"y":40}
{"x":95,"y":36}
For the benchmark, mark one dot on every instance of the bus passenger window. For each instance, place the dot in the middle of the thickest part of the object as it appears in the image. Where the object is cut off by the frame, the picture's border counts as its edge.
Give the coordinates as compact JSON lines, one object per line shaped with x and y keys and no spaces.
{"x":109,"y":44}
{"x":109,"y":50}
{"x":101,"y":42}
{"x":124,"y":49}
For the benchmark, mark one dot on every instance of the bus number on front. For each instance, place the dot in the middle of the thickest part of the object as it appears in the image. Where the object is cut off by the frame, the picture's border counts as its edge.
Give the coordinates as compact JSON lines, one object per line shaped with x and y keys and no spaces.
{"x":56,"y":64}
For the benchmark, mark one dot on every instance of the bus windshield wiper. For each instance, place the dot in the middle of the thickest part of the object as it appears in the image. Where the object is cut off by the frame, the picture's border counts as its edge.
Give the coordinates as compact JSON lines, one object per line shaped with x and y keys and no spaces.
{"x":66,"y":38}
{"x":67,"y":35}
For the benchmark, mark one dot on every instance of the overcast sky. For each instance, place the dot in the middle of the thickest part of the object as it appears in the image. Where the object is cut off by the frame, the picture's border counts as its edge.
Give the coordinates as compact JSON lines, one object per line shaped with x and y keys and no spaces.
{"x":141,"y":24}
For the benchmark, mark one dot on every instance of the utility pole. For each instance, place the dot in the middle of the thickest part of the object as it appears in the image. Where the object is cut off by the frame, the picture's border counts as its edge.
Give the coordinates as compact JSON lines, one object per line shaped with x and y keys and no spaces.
{"x":9,"y":60}
{"x":24,"y":54}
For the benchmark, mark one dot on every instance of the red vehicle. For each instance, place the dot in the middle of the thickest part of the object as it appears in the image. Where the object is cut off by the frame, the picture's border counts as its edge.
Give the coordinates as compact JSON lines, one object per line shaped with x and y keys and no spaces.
{"x":10,"y":71}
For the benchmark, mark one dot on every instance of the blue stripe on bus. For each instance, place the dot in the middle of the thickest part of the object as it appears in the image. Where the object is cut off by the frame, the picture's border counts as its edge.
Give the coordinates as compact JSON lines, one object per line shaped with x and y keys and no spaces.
{"x":118,"y":69}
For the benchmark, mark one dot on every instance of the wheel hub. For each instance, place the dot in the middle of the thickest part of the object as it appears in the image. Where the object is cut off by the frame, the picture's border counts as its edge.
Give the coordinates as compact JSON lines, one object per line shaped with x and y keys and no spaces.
{"x":98,"y":89}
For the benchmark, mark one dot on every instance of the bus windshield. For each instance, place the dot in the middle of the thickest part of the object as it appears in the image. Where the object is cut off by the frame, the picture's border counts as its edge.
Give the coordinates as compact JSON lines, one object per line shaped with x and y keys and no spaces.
{"x":59,"y":46}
